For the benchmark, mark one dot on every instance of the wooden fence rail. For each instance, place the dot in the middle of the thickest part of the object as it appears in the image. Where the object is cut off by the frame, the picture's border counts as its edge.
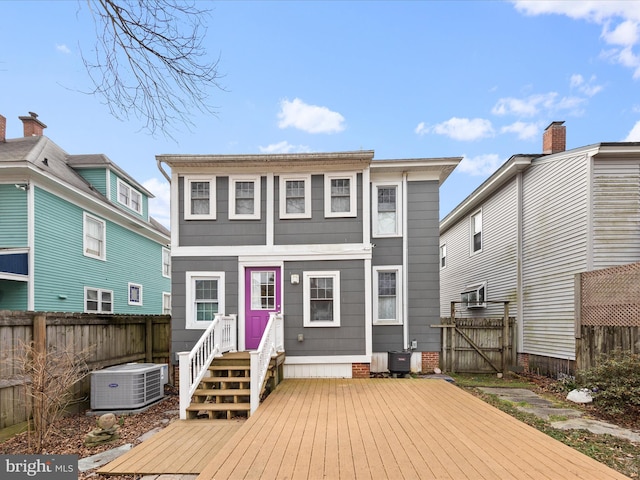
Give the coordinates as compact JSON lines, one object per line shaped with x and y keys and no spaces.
{"x":106,"y":339}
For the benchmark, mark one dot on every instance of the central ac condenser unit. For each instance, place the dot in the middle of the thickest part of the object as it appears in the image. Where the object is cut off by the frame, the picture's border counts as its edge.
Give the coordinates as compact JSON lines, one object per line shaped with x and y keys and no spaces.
{"x":128,"y":386}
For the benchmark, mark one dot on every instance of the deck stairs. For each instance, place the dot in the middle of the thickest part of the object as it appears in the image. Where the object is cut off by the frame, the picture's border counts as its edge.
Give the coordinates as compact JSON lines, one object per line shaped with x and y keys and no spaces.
{"x":225,"y":392}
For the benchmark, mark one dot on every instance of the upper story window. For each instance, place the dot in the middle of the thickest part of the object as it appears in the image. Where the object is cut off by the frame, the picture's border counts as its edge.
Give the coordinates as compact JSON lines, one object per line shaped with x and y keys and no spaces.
{"x":135,"y":294}
{"x":166,"y":262}
{"x":129,"y":197}
{"x":321,"y":299}
{"x":244,"y":198}
{"x":443,"y":256}
{"x":204,"y":298}
{"x":387,"y":219}
{"x":97,"y":300}
{"x":166,"y":303}
{"x":387,"y":283}
{"x":199,"y":198}
{"x":94,"y":237}
{"x":476,"y":232}
{"x":295,"y":196}
{"x":340,"y":195}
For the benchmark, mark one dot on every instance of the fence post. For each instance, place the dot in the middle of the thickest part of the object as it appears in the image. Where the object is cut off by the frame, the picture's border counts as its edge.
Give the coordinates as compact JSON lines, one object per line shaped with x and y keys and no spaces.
{"x":505,"y":339}
{"x":148,"y":348}
{"x":40,"y":334}
{"x":577,"y":302}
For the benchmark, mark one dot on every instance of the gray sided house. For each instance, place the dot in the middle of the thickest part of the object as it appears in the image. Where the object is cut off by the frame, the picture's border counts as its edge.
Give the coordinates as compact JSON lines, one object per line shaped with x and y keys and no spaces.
{"x":524,"y":234}
{"x":75,"y":232}
{"x":345,"y":247}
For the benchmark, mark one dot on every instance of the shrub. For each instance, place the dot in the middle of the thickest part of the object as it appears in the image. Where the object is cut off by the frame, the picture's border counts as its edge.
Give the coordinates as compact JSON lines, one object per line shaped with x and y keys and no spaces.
{"x":615,"y":382}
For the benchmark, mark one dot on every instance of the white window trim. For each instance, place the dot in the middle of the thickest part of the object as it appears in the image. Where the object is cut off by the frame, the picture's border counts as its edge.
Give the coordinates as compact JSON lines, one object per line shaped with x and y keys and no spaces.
{"x":132,"y":190}
{"x":306,"y":284}
{"x":475,"y":287}
{"x":353,"y":194}
{"x":187,"y":197}
{"x":100,"y":292}
{"x":443,"y":254}
{"x":256,"y":179}
{"x":132,"y":302}
{"x":399,"y":295}
{"x":166,"y":295}
{"x":283,"y":196}
{"x":471,"y":217}
{"x":191,"y":277}
{"x":167,"y":252}
{"x":103,"y":253}
{"x":374,"y":201}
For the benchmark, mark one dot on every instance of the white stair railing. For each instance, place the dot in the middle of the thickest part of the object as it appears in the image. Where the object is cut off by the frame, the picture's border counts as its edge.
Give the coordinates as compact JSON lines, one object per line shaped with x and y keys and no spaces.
{"x":272,"y":342}
{"x":218,"y":338}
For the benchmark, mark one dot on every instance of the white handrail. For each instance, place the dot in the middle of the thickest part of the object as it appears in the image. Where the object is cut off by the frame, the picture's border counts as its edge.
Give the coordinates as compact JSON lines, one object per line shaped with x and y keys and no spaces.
{"x":218,"y":338}
{"x":272,"y":342}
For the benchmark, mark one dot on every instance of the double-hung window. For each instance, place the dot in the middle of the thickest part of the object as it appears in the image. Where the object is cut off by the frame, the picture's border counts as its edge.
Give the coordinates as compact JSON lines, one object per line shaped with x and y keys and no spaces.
{"x":244,"y":197}
{"x":476,"y":232}
{"x":166,"y":303}
{"x":387,"y":211}
{"x":94,"y":237}
{"x":340,"y":195}
{"x":387,"y":287}
{"x":135,"y":294}
{"x":443,"y":255}
{"x":97,"y":300}
{"x":204,"y":298}
{"x":129,"y":197}
{"x":166,"y":262}
{"x":199,"y":198}
{"x":321,"y":299}
{"x":295,"y":196}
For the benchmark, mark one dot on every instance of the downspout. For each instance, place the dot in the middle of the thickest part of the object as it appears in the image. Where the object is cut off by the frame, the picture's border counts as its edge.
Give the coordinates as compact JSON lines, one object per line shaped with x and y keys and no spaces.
{"x":164,"y":174}
{"x":405,"y":263}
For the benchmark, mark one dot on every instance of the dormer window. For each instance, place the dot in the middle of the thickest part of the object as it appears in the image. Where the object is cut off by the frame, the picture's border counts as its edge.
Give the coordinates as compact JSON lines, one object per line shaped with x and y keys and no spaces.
{"x":129,"y":197}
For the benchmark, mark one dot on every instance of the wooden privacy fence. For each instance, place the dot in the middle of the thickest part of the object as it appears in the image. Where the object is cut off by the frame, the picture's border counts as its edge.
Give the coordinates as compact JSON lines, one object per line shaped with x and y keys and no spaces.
{"x":478,"y":345}
{"x":106,"y":339}
{"x":607,"y":313}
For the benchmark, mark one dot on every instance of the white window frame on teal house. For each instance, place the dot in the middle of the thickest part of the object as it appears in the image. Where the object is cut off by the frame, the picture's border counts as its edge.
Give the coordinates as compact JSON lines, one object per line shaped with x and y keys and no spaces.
{"x":126,"y":196}
{"x":476,"y":228}
{"x":283,"y":198}
{"x":188,"y":181}
{"x":166,"y":303}
{"x":99,"y":300}
{"x":90,"y":238}
{"x":134,"y":294}
{"x":329,"y":195}
{"x":234,"y":180}
{"x":191,"y":322}
{"x":378,"y":231}
{"x":395,"y":319}
{"x":166,"y":262}
{"x":308,"y":298}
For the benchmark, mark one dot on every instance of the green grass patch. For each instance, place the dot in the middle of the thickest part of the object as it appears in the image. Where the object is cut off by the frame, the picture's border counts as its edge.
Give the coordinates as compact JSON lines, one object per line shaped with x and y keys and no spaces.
{"x":467,"y":380}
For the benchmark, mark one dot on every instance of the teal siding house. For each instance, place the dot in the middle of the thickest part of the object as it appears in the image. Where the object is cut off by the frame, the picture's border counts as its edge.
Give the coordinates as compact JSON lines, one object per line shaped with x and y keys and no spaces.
{"x":75,"y":232}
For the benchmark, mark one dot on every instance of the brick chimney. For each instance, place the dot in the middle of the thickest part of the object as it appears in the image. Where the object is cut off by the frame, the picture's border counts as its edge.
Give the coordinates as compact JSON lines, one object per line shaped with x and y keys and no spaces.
{"x":3,"y":129}
{"x":32,"y":126}
{"x":554,"y":138}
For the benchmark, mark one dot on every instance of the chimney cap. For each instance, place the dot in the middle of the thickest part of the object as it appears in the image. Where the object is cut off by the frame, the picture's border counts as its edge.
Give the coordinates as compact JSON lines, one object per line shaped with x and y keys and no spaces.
{"x":555,"y":124}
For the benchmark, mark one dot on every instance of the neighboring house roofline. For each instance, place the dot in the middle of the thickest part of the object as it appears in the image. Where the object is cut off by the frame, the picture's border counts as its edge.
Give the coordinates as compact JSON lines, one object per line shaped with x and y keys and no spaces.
{"x":441,"y":167}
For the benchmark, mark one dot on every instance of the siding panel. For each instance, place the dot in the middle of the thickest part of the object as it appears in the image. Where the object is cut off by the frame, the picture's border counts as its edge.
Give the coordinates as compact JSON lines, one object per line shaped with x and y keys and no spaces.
{"x":13,"y":216}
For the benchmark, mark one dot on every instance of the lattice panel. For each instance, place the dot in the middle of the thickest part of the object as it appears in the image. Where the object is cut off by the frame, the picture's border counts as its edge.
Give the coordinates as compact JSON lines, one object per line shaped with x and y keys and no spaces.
{"x":611,"y":297}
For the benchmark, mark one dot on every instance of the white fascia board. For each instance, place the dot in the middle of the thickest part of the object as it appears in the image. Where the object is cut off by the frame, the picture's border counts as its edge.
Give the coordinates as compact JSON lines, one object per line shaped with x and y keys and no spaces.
{"x":14,"y":277}
{"x":348,"y":251}
{"x":327,"y":359}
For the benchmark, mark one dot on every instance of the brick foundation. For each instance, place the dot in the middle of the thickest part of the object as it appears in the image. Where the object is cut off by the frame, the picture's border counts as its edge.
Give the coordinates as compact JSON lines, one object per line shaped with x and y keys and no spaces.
{"x":430,"y":360}
{"x":523,"y":361}
{"x":360,"y":370}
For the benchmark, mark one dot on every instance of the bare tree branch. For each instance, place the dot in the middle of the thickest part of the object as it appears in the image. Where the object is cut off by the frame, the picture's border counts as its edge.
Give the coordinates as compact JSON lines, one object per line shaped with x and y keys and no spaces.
{"x":149,"y":61}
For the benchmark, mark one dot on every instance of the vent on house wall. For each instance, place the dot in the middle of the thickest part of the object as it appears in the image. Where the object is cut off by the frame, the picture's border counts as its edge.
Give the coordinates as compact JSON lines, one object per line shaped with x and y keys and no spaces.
{"x":128,"y":386}
{"x":474,"y":297}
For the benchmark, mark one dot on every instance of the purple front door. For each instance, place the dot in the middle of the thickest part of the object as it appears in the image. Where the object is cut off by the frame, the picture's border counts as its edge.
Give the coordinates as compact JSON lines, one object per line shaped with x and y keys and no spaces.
{"x":262,"y":296}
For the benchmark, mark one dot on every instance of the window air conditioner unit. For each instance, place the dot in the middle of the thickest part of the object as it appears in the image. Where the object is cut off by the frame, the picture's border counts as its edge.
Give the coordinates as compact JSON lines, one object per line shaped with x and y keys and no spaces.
{"x":127,"y":386}
{"x":474,"y":298}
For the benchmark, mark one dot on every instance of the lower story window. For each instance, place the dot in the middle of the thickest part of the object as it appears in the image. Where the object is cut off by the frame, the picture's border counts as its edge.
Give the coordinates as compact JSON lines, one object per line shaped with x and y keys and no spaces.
{"x":97,"y":300}
{"x":321,"y":299}
{"x":387,"y":283}
{"x":166,"y":303}
{"x":135,"y":294}
{"x":205,"y":298}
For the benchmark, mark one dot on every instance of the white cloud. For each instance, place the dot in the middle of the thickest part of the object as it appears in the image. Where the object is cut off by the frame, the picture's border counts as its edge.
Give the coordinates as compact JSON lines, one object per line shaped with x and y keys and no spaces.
{"x":62,"y":48}
{"x":525,"y":131}
{"x":480,"y":165}
{"x":284,"y":147}
{"x":159,"y":207}
{"x":463,"y":129}
{"x":309,"y":118}
{"x":539,"y":103}
{"x":619,"y":19}
{"x":634,"y":134}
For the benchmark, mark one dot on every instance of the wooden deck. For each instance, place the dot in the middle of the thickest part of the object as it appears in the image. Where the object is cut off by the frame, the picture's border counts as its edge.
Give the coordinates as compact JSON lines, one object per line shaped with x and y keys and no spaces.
{"x":370,"y":429}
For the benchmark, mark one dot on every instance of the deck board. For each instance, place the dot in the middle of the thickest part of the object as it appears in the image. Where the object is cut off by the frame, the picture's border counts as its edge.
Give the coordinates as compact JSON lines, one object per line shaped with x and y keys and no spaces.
{"x":362,"y":429}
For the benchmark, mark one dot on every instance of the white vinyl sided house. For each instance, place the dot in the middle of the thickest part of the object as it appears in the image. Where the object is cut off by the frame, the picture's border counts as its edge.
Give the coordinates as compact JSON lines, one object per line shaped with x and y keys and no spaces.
{"x":524,"y":234}
{"x":342,"y":246}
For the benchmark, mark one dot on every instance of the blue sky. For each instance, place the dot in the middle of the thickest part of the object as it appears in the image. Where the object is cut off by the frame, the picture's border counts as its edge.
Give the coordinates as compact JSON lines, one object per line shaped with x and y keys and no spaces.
{"x":417,"y":79}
